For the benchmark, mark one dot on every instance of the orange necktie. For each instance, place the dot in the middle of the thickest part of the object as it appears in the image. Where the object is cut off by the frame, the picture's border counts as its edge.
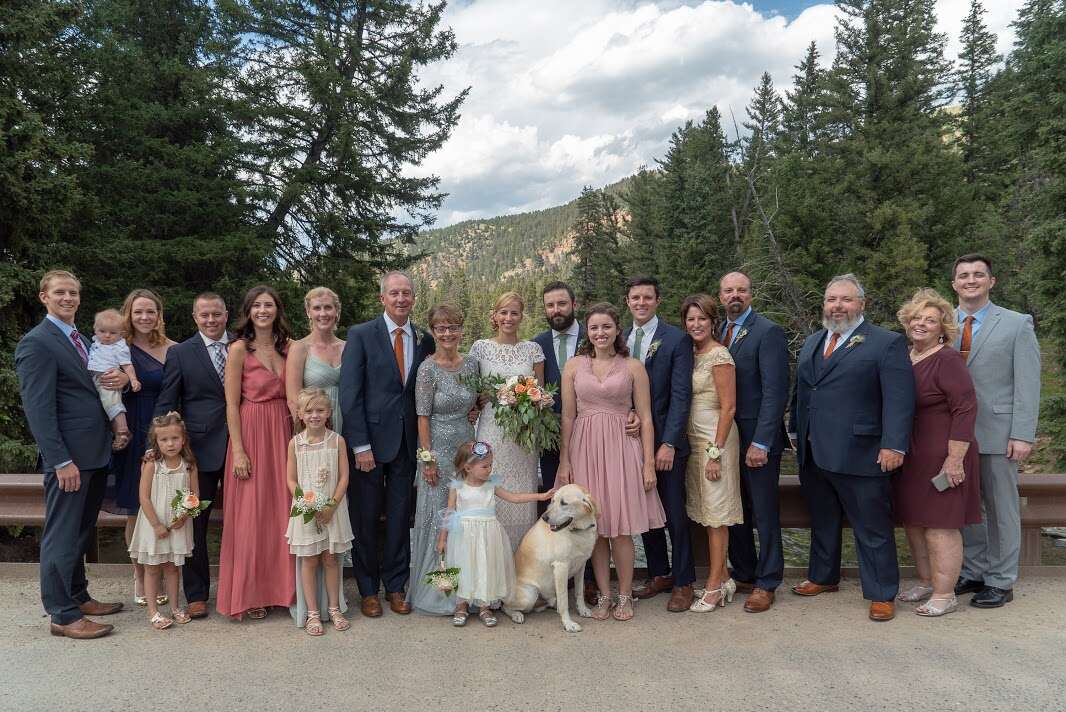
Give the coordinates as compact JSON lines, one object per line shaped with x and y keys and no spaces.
{"x":832,"y":345}
{"x":397,"y":347}
{"x":729,"y":333}
{"x":967,"y":337}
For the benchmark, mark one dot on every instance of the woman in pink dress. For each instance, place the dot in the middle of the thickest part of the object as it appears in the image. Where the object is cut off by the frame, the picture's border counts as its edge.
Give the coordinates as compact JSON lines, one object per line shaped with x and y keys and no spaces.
{"x":600,"y":386}
{"x":256,"y":569}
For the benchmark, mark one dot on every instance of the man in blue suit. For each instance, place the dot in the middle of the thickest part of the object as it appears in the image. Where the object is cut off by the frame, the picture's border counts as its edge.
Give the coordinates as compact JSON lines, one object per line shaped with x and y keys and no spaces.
{"x":193,"y":385}
{"x":852,"y":411}
{"x":666,"y":353}
{"x":73,"y":438}
{"x":377,"y":393}
{"x":760,"y":352}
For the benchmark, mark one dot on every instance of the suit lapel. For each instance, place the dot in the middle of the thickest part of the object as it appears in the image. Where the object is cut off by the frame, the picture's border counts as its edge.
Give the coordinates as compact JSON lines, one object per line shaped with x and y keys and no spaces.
{"x":205,"y":358}
{"x":68,"y":352}
{"x":747,"y":328}
{"x":842,"y":352}
{"x":550,"y":359}
{"x":991,"y":321}
{"x":807,"y":356}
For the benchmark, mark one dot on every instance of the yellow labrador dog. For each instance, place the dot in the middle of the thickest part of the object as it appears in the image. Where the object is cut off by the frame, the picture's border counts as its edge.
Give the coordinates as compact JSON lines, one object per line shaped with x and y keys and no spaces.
{"x":552,"y":552}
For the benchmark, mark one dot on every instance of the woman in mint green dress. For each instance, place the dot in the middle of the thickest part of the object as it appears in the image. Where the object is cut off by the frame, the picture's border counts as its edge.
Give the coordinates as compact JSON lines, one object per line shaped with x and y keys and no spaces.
{"x":315,"y":362}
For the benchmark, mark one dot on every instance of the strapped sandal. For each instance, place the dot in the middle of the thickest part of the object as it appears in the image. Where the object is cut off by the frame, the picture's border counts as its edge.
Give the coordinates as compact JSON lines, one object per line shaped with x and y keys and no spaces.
{"x":702,"y":605}
{"x":623,"y":610}
{"x":459,"y":617}
{"x":161,"y":622}
{"x":339,"y":621}
{"x":313,"y":626}
{"x":930,"y":609}
{"x":180,"y":616}
{"x":487,"y":617}
{"x":916,"y":593}
{"x":602,"y":610}
{"x":259,"y":613}
{"x":162,"y":599}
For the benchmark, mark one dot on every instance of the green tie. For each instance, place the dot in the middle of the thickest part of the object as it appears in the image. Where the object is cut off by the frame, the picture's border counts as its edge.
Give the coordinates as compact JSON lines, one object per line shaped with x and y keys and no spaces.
{"x":636,"y":343}
{"x":560,"y":356}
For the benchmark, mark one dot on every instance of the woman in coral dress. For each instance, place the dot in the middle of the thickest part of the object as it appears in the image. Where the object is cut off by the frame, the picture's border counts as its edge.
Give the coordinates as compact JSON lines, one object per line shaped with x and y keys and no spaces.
{"x":600,"y":386}
{"x":256,"y":569}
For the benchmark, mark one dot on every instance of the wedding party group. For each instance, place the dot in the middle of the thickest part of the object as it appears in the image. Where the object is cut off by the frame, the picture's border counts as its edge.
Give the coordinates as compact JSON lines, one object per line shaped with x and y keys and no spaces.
{"x":427,"y":466}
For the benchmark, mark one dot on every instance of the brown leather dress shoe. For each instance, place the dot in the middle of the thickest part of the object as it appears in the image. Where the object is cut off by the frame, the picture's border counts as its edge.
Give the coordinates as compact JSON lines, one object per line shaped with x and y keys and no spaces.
{"x":760,"y":600}
{"x":744,"y":586}
{"x":653,"y":587}
{"x":81,"y":629}
{"x":92,"y":607}
{"x":810,"y":588}
{"x":397,"y":604}
{"x":197,"y":609}
{"x":882,"y":610}
{"x":371,"y":607}
{"x":680,"y":599}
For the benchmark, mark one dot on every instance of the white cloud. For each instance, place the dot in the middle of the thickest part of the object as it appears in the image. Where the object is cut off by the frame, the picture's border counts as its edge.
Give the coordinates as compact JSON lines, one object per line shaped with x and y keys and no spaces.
{"x":565,"y":93}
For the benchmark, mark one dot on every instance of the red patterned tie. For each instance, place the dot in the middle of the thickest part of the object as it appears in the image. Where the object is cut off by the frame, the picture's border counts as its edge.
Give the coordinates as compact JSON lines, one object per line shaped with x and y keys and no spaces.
{"x":397,"y":347}
{"x":79,"y":346}
{"x":729,"y":333}
{"x":967,"y":337}
{"x":832,"y":345}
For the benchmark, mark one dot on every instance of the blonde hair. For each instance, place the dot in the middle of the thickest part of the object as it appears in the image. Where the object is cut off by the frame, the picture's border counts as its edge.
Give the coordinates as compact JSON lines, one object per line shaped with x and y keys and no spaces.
{"x":318,"y":293}
{"x":57,"y":274}
{"x":305,"y":398}
{"x":163,"y":421}
{"x":109,"y":317}
{"x":923,"y":299}
{"x":502,"y":301}
{"x":158,"y":335}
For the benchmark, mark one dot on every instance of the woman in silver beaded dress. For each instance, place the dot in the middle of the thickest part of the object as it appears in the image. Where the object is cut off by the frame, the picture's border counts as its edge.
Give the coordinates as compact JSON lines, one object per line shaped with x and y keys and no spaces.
{"x":443,"y":405}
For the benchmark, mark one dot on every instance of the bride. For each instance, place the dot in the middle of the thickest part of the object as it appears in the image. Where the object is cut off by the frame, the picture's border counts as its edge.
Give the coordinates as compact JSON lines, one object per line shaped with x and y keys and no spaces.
{"x":504,"y":355}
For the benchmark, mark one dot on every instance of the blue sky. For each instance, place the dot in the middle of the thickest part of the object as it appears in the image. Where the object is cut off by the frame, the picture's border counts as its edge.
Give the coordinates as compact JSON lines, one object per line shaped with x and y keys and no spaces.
{"x":566,"y":93}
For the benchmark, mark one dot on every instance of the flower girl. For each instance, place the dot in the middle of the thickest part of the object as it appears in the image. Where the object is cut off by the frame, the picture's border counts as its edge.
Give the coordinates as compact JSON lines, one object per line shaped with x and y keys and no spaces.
{"x":473,"y":539}
{"x":169,"y":495}
{"x":319,"y":527}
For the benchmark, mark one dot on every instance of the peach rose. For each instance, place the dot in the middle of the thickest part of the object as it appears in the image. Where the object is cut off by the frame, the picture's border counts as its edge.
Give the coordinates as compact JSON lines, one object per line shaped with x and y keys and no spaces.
{"x":309,"y":497}
{"x":534,"y":394}
{"x":190,"y":501}
{"x":520,"y":388}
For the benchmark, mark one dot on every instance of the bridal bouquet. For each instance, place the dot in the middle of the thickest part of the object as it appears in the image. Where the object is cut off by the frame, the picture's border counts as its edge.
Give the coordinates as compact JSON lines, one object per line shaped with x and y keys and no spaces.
{"x":185,"y":503}
{"x":523,"y":409}
{"x":308,"y":504}
{"x":444,"y":580}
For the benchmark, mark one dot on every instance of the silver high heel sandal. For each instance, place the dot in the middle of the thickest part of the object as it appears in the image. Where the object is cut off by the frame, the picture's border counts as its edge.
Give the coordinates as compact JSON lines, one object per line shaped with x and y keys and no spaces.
{"x":702,"y":605}
{"x":729,"y":589}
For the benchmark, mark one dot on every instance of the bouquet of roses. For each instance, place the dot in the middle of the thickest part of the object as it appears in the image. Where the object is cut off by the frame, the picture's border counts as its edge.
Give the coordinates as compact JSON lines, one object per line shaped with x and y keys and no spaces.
{"x":523,"y":409}
{"x":308,"y":504}
{"x":185,"y":503}
{"x":443,"y":579}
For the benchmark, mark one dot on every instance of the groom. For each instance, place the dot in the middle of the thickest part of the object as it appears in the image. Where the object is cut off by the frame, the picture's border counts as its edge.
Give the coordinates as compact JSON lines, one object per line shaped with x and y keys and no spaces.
{"x":377,"y":393}
{"x":666,"y":353}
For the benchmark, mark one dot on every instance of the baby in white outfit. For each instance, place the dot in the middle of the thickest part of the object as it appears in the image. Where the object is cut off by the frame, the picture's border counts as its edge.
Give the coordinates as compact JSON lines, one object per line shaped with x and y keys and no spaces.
{"x":109,"y":350}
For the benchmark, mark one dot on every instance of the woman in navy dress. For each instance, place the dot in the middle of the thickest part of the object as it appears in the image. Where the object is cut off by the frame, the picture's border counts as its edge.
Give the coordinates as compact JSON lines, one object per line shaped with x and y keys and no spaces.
{"x":145,"y":333}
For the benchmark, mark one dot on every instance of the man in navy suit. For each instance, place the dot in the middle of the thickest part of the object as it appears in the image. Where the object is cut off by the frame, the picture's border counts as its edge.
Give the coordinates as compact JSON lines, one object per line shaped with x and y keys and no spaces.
{"x":666,"y":353}
{"x":193,"y":385}
{"x":377,"y":393}
{"x":852,"y":411}
{"x":73,"y":438}
{"x":760,"y":352}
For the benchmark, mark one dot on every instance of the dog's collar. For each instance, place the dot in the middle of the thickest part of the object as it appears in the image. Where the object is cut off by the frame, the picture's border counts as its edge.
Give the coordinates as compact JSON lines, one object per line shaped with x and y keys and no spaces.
{"x":582,"y":529}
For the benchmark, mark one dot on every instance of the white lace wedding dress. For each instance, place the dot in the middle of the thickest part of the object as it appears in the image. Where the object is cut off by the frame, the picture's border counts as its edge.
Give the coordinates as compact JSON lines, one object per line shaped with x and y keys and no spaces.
{"x":515,"y":467}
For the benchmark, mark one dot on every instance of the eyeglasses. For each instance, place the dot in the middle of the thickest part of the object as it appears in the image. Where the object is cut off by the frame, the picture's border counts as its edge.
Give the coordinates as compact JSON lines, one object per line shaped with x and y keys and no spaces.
{"x":448,"y":329}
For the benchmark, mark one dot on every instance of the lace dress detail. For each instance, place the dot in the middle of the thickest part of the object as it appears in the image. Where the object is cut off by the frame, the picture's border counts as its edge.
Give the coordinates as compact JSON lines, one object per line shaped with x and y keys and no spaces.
{"x":712,"y":504}
{"x":145,"y":548}
{"x":516,"y":467}
{"x":316,"y":470}
{"x":439,"y":395}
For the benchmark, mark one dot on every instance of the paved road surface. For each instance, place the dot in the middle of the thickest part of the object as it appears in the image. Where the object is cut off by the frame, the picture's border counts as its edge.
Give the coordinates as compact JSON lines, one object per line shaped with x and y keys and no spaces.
{"x":819,"y":654}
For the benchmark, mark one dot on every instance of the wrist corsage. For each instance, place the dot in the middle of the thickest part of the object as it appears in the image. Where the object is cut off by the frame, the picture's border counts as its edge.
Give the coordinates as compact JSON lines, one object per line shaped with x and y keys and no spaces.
{"x":425,"y":456}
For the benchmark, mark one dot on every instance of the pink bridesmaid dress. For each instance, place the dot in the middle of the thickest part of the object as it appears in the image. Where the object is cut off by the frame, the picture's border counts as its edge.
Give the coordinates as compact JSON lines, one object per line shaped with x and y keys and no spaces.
{"x":256,"y":569}
{"x":606,"y":460}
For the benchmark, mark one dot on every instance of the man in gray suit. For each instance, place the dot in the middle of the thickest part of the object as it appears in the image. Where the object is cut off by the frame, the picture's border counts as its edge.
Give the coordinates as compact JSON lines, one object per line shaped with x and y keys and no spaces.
{"x":73,"y":438}
{"x":1003,"y":355}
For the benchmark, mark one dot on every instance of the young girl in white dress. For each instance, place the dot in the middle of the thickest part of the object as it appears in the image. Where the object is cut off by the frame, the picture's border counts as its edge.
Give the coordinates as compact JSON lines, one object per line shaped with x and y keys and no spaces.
{"x":473,"y":540}
{"x":161,"y":539}
{"x":318,"y":463}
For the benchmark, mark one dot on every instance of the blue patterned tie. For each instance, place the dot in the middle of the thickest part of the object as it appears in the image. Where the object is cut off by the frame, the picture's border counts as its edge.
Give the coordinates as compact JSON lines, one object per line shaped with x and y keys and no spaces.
{"x":219,"y":358}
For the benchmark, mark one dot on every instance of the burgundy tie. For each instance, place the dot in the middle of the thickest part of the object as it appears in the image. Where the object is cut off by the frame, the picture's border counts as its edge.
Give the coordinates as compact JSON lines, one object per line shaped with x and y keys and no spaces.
{"x":76,"y":338}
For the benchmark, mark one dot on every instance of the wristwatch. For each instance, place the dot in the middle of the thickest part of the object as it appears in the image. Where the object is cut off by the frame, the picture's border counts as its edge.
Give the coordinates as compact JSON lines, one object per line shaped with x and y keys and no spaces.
{"x":669,"y":445}
{"x":714,"y":452}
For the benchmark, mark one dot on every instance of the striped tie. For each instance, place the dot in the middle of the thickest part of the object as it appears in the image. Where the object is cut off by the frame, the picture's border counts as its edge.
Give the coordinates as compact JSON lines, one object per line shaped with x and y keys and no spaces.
{"x":79,"y":346}
{"x":219,"y":359}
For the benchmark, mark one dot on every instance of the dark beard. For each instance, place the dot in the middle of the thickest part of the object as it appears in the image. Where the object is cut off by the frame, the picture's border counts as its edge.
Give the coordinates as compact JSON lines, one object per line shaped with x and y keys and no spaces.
{"x":561,"y":323}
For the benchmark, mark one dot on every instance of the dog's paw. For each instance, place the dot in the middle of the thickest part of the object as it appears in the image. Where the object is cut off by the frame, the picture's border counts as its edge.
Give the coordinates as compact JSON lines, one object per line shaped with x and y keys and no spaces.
{"x":517,"y":616}
{"x":584,"y":611}
{"x":572,"y":626}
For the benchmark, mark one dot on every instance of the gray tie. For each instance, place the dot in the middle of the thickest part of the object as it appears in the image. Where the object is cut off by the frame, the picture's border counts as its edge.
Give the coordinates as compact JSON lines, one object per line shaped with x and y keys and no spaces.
{"x":219,"y":358}
{"x":636,"y":344}
{"x":560,"y":356}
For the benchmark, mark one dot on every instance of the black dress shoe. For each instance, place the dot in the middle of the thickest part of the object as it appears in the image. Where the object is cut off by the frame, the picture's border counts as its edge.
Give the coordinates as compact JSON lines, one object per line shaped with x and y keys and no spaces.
{"x":992,"y":597}
{"x":967,"y":586}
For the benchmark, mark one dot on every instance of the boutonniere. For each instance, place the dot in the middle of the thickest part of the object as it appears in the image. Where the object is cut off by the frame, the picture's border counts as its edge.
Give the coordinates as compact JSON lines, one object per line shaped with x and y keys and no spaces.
{"x":419,"y":335}
{"x":857,"y":339}
{"x":741,"y":335}
{"x":653,"y":348}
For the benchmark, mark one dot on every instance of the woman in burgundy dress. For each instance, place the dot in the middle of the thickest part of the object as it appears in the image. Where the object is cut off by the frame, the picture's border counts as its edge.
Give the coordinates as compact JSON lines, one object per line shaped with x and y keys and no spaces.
{"x":942,"y":441}
{"x":256,"y":569}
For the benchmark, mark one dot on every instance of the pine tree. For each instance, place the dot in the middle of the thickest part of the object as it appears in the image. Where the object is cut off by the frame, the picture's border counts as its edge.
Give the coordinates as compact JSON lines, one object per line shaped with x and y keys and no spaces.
{"x":801,"y":111}
{"x":977,"y":60}
{"x":597,"y":273}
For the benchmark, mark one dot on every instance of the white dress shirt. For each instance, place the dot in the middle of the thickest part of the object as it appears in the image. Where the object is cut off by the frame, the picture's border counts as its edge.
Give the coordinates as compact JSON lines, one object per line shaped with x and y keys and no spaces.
{"x":572,"y":332}
{"x":649,"y":336}
{"x":209,"y":342}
